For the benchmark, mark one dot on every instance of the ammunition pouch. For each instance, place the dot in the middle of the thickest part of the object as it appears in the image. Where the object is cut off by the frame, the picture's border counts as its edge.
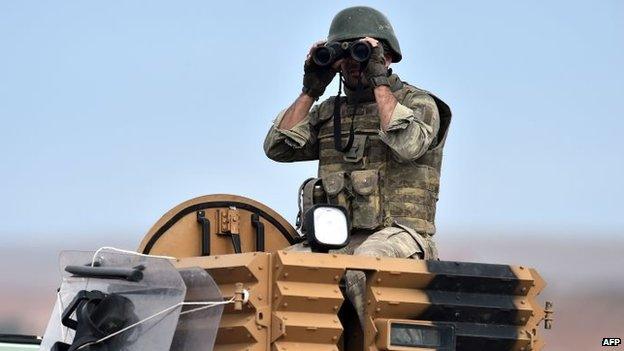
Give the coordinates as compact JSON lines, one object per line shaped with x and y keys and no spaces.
{"x":358,"y":192}
{"x":310,"y":193}
{"x":366,"y":202}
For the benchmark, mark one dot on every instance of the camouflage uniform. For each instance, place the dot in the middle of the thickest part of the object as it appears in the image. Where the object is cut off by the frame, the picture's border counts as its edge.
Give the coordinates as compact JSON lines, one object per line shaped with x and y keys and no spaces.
{"x":389,"y":180}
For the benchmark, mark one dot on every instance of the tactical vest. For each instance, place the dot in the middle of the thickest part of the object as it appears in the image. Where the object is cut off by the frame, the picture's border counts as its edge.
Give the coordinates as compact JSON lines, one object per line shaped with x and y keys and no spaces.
{"x":376,"y":189}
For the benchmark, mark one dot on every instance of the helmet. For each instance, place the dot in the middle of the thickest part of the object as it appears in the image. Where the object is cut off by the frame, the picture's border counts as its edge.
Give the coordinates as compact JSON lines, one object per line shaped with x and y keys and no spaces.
{"x":361,"y":21}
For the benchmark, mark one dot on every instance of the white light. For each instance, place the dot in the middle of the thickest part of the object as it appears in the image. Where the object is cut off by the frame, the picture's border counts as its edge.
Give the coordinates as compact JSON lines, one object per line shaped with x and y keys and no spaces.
{"x":330,"y":226}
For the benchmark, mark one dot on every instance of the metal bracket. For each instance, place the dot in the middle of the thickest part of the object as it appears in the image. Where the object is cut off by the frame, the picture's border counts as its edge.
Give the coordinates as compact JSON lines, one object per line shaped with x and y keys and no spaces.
{"x":255,"y":222}
{"x":548,"y":315}
{"x":239,"y":296}
{"x":263,"y":316}
{"x":278,"y":327}
{"x":228,"y":221}
{"x":228,"y":224}
{"x":205,"y":228}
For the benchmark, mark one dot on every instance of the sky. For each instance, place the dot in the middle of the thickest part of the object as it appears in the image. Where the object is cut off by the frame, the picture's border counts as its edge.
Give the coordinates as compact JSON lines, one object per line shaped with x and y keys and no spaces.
{"x":113,"y":112}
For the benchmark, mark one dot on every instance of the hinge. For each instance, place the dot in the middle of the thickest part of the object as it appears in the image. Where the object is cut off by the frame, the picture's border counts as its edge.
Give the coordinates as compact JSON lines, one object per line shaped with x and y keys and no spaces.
{"x":228,"y":221}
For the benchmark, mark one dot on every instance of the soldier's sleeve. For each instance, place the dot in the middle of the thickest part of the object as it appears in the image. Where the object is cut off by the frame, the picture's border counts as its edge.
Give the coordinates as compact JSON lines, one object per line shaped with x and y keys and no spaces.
{"x":296,"y":144}
{"x":413,"y":127}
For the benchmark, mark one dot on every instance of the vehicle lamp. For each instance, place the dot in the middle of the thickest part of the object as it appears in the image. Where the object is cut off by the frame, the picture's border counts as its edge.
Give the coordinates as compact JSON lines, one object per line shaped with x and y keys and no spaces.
{"x":326,"y":227}
{"x":415,"y":335}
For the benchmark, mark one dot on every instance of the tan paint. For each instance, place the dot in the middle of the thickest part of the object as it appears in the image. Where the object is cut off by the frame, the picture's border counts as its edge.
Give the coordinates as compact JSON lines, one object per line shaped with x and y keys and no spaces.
{"x":295,"y":297}
{"x":183,"y":239}
{"x":304,"y":298}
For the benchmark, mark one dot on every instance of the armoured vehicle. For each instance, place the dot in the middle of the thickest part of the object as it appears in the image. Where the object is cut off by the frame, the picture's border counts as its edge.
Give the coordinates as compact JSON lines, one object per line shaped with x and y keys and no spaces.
{"x":229,"y":255}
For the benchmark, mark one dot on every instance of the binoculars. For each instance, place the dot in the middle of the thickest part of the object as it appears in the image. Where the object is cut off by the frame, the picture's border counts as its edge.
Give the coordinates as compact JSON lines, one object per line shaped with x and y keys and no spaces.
{"x":331,"y":52}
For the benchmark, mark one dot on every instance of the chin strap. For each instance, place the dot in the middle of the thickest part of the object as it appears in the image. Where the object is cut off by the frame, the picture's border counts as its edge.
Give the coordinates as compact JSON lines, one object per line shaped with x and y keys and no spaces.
{"x":338,"y":118}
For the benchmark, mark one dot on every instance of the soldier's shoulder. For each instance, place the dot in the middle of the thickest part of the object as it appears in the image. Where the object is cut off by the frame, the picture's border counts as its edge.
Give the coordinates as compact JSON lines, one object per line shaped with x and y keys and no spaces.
{"x":411,"y":95}
{"x":414,"y":90}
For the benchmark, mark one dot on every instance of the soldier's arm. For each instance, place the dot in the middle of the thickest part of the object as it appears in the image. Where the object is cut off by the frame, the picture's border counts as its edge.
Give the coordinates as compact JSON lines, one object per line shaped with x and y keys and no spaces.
{"x":386,"y":103}
{"x":293,"y":135}
{"x":412,"y":126}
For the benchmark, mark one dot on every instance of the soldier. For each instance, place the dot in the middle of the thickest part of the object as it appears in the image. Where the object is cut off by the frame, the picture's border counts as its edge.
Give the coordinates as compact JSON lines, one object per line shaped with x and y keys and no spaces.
{"x":379,"y":148}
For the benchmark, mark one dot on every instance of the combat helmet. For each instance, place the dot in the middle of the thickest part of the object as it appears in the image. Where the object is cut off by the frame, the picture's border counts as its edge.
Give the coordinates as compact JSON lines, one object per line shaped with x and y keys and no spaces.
{"x":362,"y":21}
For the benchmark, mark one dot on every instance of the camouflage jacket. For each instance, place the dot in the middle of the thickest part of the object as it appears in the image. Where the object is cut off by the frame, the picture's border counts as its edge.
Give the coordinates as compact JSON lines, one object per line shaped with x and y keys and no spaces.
{"x":388,"y":176}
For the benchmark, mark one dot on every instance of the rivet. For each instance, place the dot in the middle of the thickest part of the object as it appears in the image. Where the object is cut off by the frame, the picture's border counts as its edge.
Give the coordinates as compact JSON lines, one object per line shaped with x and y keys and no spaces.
{"x":336,"y":277}
{"x":285,"y":274}
{"x":285,"y":304}
{"x":378,"y":280}
{"x":334,"y":338}
{"x":522,"y":302}
{"x":260,"y":268}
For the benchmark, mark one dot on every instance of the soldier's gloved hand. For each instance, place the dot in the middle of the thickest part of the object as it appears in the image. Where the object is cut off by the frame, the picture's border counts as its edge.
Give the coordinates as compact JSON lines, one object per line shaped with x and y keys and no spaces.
{"x":376,"y":71}
{"x":315,"y":77}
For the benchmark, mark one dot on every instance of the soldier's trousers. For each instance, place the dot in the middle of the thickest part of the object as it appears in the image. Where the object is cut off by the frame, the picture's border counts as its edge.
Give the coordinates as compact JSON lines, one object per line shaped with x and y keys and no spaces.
{"x":396,"y":241}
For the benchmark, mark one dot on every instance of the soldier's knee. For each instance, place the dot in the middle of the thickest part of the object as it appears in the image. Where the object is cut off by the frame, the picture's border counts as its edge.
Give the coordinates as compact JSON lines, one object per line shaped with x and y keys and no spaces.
{"x":390,"y":242}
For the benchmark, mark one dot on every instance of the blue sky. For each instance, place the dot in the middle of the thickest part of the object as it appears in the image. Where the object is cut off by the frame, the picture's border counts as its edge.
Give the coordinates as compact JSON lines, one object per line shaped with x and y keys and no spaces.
{"x":113,"y":112}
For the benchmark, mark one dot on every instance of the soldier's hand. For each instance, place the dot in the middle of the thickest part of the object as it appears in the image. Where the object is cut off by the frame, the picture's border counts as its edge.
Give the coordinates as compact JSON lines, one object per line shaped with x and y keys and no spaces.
{"x":315,"y":77}
{"x":376,"y":71}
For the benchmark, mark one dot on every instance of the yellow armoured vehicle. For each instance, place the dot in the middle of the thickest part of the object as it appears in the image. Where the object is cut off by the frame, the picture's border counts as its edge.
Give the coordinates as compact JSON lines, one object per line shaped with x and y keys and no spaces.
{"x":216,"y":273}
